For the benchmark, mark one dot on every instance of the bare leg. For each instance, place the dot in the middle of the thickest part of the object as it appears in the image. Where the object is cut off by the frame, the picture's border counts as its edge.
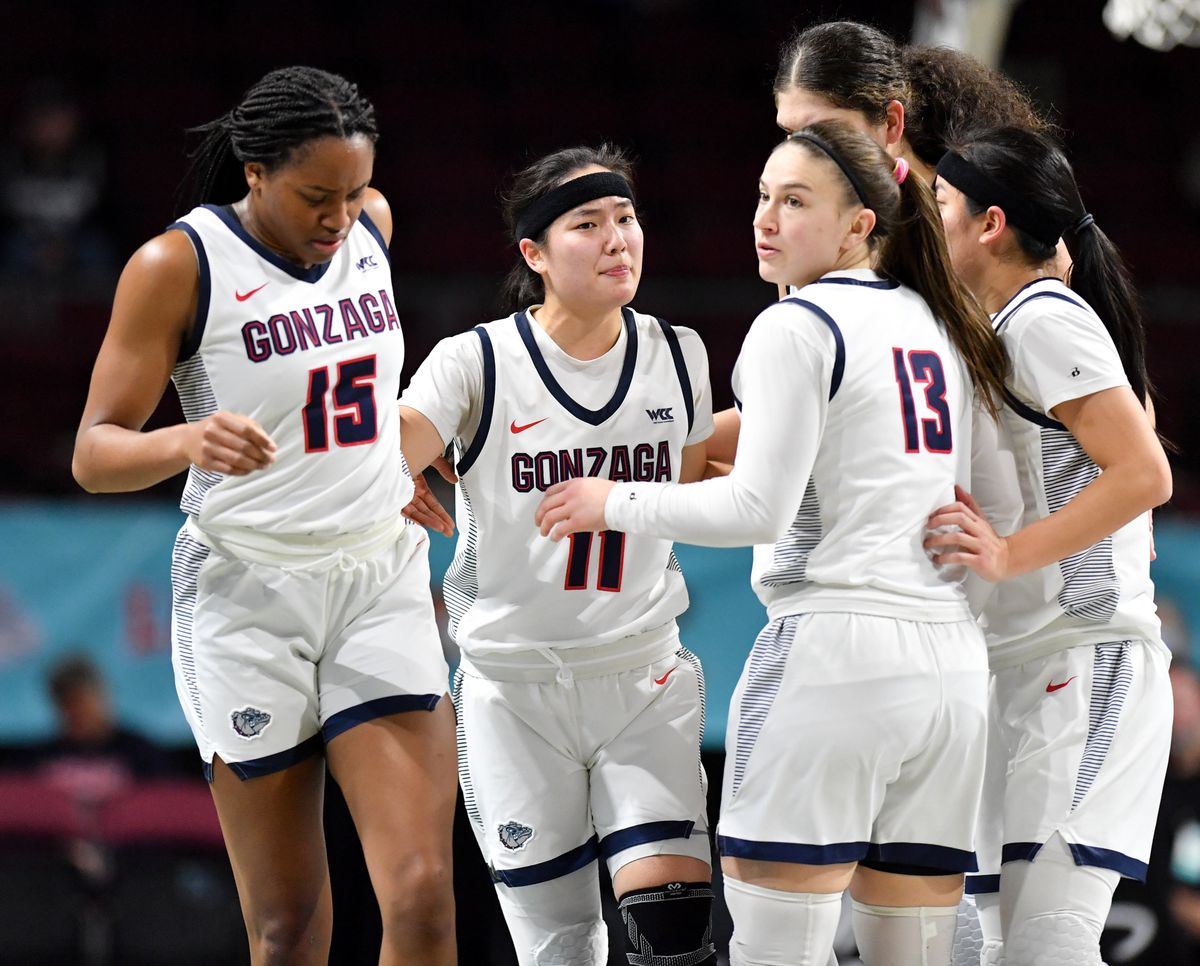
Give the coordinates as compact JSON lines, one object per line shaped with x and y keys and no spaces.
{"x":399,"y":776}
{"x":276,"y":844}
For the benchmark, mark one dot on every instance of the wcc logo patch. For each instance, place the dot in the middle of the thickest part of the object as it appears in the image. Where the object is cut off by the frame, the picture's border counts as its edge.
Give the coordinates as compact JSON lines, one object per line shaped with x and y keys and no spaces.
{"x":661,"y":415}
{"x":514,"y":835}
{"x":249,"y":722}
{"x":366,"y":263}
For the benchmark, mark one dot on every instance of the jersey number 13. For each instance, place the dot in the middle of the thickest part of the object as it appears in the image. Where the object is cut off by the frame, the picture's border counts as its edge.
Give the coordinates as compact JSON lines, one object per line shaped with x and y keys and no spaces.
{"x":925,"y":367}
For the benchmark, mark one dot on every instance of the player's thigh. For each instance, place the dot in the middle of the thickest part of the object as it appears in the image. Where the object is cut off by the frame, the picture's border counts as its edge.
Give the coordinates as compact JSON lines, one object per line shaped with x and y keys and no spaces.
{"x":397,"y":774}
{"x":274,"y":834}
{"x":648,"y":789}
{"x":524,"y":781}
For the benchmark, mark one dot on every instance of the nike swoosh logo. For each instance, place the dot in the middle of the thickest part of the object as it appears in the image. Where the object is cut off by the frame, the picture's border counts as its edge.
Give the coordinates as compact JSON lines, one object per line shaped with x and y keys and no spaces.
{"x":663,"y":679}
{"x":1052,"y":687}
{"x":242,"y":298}
{"x":520,"y":429}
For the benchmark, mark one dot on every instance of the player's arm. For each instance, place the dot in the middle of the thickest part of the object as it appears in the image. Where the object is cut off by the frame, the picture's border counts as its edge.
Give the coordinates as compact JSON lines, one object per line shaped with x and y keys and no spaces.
{"x":722,"y":444}
{"x":789,"y":370}
{"x":1116,"y":433}
{"x":379,"y":211}
{"x":693,"y":462}
{"x":419,"y":440}
{"x":153,"y":309}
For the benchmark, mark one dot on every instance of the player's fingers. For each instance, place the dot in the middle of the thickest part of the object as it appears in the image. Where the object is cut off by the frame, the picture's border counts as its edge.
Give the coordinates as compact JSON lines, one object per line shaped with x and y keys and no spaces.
{"x":962,"y":496}
{"x":549,"y":503}
{"x":445,"y":470}
{"x":951,"y":518}
{"x":957,"y":557}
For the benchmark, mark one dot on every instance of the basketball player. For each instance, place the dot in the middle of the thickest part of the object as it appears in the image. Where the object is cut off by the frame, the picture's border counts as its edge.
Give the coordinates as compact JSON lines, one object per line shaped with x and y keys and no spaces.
{"x":580,"y":714}
{"x":856,"y":731}
{"x":1081,"y":702}
{"x":303,"y":628}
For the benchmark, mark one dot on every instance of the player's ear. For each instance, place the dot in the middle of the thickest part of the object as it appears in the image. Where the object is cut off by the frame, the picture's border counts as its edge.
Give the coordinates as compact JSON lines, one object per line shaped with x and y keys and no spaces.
{"x":894,"y":124}
{"x":860,"y":228}
{"x":994,"y":223}
{"x":532,"y":254}
{"x":255,"y":174}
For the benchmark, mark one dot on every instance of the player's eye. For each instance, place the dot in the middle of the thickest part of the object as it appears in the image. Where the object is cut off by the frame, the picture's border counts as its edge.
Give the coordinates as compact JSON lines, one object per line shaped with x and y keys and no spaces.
{"x":794,"y":202}
{"x":586,"y":224}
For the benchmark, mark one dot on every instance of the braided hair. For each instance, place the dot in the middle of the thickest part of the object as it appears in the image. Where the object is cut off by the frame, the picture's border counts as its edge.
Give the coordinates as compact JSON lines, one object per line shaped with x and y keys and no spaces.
{"x":286,"y":109}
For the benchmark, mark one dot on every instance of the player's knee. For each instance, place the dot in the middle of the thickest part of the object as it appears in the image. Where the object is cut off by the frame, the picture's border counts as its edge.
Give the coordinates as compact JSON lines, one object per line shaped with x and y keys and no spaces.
{"x":581,"y":944}
{"x":1056,"y":939}
{"x":776,"y":928}
{"x":669,"y":924}
{"x":419,"y":902}
{"x":288,"y":934}
{"x":913,"y":934}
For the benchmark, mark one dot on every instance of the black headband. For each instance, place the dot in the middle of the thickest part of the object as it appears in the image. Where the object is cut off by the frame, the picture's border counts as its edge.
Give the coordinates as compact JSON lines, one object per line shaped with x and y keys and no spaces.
{"x":1027,"y":215}
{"x":827,"y":148}
{"x":538,"y":215}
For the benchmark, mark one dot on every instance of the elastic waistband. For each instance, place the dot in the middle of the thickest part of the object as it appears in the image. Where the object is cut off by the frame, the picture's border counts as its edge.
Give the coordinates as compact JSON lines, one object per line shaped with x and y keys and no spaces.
{"x":565,"y":664}
{"x":301,"y":551}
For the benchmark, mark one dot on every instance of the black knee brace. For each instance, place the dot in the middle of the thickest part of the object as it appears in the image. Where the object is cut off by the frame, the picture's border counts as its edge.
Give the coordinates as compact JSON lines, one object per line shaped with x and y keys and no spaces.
{"x":669,"y":925}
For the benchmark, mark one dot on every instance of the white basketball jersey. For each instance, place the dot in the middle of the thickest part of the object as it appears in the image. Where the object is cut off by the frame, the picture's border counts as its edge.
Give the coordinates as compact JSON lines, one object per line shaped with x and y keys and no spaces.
{"x":897,"y":437}
{"x":314,"y":356}
{"x":1060,"y":350}
{"x":509,"y":588}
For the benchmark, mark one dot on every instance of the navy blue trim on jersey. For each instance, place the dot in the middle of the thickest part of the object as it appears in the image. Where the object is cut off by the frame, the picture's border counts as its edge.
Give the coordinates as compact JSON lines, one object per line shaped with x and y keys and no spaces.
{"x":192,"y":343}
{"x":370,"y":710}
{"x":792,"y":851}
{"x":594,"y":416}
{"x":627,"y":838}
{"x":882,"y":283}
{"x":555,"y":868}
{"x":1019,"y":851}
{"x":737,"y":403}
{"x":1109,"y":859}
{"x":269,"y":764}
{"x":1079,"y":304}
{"x":685,"y":382}
{"x":839,"y":359}
{"x":314,"y":273}
{"x":369,"y":224}
{"x":1017,"y":294}
{"x":918,"y":853}
{"x":1083,"y":855}
{"x":489,"y":400}
{"x":1025,"y":412}
{"x":977,"y":885}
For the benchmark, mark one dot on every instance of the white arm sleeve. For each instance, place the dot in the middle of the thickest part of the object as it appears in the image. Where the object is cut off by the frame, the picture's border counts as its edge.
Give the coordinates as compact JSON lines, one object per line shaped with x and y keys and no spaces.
{"x":784,"y":371}
{"x":447,"y":389}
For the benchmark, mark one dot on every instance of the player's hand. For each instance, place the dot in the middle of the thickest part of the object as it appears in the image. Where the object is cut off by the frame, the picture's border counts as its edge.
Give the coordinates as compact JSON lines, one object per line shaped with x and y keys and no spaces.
{"x":573,"y":506}
{"x":426,"y":510}
{"x":229,"y":443}
{"x":974,"y":544}
{"x":445,"y":469}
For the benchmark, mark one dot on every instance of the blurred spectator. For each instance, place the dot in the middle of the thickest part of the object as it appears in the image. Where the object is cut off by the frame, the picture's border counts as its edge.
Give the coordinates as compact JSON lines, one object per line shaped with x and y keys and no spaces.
{"x":51,"y":188}
{"x":92,"y":756}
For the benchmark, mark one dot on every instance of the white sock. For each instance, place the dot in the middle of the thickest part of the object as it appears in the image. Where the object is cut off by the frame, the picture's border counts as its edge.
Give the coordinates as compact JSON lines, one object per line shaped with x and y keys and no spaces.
{"x":904,"y":936}
{"x":776,"y":928}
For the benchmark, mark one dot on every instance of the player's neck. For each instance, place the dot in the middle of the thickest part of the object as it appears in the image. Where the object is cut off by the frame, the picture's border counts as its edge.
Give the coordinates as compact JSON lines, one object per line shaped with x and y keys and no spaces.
{"x":580,"y":334}
{"x":1006,"y":280}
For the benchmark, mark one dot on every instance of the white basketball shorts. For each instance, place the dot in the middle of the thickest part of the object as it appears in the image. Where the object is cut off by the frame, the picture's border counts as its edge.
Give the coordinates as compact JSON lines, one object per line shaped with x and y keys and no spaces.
{"x":857,"y":738}
{"x":1078,"y":745}
{"x":556,"y":773}
{"x":271,"y":663}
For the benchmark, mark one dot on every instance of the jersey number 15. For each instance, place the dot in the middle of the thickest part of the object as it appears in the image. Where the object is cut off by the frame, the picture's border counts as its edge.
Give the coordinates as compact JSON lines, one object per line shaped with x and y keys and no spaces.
{"x":354,"y":420}
{"x":926,"y":367}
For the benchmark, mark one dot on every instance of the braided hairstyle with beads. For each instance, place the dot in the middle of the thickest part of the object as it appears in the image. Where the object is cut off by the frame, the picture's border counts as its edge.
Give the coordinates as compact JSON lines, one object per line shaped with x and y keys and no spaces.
{"x":285,"y":110}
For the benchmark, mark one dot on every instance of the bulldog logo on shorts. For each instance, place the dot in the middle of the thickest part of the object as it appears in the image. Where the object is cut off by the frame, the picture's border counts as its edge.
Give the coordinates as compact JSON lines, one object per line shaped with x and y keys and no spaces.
{"x":514,"y":835}
{"x":249,"y":722}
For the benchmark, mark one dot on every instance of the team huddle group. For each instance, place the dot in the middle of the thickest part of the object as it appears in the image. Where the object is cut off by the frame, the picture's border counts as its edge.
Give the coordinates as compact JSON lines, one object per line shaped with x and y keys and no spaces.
{"x":942,"y":452}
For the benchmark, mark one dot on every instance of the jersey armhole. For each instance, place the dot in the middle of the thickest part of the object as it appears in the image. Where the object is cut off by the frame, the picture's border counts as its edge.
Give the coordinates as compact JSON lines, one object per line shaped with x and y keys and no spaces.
{"x":489,"y":398}
{"x":839,"y":356}
{"x":191,"y":344}
{"x":369,"y":224}
{"x":685,"y":381}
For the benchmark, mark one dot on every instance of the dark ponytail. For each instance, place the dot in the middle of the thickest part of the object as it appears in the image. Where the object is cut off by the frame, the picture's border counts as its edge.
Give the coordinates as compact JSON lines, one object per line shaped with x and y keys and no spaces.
{"x":283,"y":111}
{"x":523,"y":286}
{"x":1034,"y":168}
{"x":910,"y":247}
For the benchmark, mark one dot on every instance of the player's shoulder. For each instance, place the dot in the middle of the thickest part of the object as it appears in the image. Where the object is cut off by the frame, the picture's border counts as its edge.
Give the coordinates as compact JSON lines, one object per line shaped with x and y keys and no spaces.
{"x":1042,"y":301}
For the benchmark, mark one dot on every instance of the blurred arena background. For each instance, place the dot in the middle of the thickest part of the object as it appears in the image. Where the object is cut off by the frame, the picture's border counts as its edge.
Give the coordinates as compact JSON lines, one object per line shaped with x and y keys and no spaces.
{"x":113,"y":858}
